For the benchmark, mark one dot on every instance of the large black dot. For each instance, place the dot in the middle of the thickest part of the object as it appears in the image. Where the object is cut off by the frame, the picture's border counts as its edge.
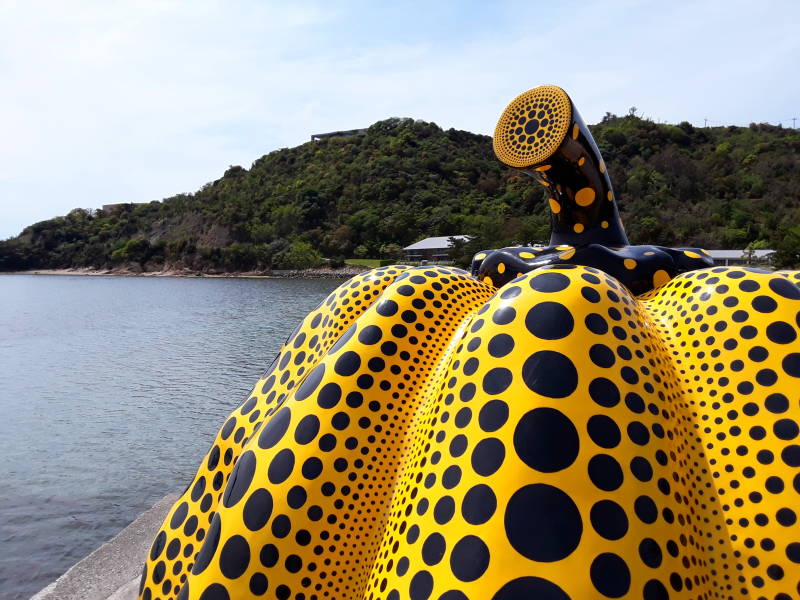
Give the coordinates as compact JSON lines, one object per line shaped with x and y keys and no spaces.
{"x":240,"y":479}
{"x":785,"y":288}
{"x":500,"y":345}
{"x":493,"y":415}
{"x":470,"y":558}
{"x":604,"y":431}
{"x":530,"y":588}
{"x":781,"y":332}
{"x":311,"y":382}
{"x":347,"y":364}
{"x":371,"y":334}
{"x":549,"y":282}
{"x":329,"y":395}
{"x":550,"y":374}
{"x":605,"y":472}
{"x":604,"y":392}
{"x":421,"y":586}
{"x":257,"y":509}
{"x":496,"y":380}
{"x":433,"y":549}
{"x":791,"y":364}
{"x":487,"y":456}
{"x":307,"y":429}
{"x":610,"y":575}
{"x":549,"y":321}
{"x":216,"y":591}
{"x":546,"y":440}
{"x":479,"y":504}
{"x":542,"y":523}
{"x":209,"y":547}
{"x":234,"y":557}
{"x":179,"y":515}
{"x":281,"y":466}
{"x":609,"y":519}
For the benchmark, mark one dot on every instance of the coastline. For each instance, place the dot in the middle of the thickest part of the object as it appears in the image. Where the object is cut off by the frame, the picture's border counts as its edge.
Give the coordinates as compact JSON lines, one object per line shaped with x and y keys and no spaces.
{"x":319,"y":273}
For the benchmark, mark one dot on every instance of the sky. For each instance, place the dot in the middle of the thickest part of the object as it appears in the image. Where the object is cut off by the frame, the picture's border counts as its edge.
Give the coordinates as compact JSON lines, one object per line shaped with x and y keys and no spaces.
{"x":113,"y":101}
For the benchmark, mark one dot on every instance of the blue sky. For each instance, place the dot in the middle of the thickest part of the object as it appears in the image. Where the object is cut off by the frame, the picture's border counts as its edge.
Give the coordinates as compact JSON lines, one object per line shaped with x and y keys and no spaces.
{"x":104,"y":102}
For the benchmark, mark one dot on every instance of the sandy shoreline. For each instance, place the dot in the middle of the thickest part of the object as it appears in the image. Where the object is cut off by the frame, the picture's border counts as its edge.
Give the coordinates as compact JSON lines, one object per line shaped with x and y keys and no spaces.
{"x":343,"y":273}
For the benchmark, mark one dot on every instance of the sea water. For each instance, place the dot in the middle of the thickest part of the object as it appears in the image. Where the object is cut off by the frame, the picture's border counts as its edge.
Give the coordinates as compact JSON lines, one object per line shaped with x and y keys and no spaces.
{"x":111,"y":391}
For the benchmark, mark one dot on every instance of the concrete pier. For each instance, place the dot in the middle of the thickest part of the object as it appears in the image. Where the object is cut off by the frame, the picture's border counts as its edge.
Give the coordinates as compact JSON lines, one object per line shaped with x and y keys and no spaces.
{"x":112,"y":571}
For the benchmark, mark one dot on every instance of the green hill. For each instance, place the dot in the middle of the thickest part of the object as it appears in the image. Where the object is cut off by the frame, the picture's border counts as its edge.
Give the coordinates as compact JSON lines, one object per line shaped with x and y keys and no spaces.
{"x":368,"y":195}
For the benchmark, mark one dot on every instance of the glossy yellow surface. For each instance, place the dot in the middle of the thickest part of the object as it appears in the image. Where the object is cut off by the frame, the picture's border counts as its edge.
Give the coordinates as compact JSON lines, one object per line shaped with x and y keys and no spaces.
{"x":423,"y":435}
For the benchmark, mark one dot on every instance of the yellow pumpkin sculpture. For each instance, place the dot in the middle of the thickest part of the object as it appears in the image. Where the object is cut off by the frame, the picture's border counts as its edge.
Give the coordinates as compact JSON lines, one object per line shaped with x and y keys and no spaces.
{"x":535,"y":431}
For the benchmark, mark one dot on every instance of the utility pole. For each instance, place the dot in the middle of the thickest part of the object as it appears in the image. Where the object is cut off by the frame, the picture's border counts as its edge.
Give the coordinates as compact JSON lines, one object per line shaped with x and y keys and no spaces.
{"x":705,"y":122}
{"x":794,"y":120}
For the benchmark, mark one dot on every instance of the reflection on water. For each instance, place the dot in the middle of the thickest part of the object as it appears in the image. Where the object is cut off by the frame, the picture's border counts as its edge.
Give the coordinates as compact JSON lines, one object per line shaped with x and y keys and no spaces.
{"x":112,"y":389}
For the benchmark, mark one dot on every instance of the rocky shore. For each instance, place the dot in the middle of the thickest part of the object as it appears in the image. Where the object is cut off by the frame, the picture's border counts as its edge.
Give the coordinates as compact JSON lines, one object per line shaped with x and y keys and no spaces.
{"x":319,"y":273}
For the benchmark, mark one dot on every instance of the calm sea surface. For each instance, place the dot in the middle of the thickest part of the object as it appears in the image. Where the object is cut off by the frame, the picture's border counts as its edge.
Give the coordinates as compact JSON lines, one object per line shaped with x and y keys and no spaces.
{"x":111,"y":390}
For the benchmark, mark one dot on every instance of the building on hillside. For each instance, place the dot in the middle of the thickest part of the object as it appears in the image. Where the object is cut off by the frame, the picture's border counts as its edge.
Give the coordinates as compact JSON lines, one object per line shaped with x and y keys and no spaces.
{"x":346,"y":133}
{"x":433,"y":249}
{"x":741,"y":257}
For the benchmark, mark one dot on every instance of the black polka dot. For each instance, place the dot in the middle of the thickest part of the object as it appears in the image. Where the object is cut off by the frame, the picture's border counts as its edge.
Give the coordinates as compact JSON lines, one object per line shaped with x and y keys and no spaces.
{"x":421,"y":586}
{"x":371,"y":334}
{"x":269,"y":555}
{"x":347,"y":364}
{"x":549,"y":282}
{"x":215,"y":591}
{"x":487,"y":456}
{"x":605,"y":472}
{"x":609,"y":519}
{"x":550,"y":374}
{"x":542,"y":523}
{"x":444,"y":510}
{"x":470,"y":558}
{"x":654,"y":590}
{"x":529,"y":588}
{"x":546,"y":440}
{"x":240,"y":479}
{"x":549,"y":321}
{"x":311,"y":382}
{"x":234,"y":557}
{"x":479,"y":504}
{"x":500,"y":345}
{"x":281,"y":466}
{"x":610,"y":575}
{"x":645,"y":509}
{"x":791,"y":364}
{"x":650,"y":553}
{"x":257,"y":509}
{"x":596,"y":324}
{"x":209,"y":547}
{"x":784,"y":288}
{"x":604,"y":431}
{"x":433,"y":549}
{"x":781,"y":332}
{"x":179,"y":515}
{"x":496,"y":381}
{"x":602,"y":356}
{"x":504,"y":315}
{"x":386,"y":308}
{"x":307,"y":429}
{"x":493,"y":415}
{"x":330,"y":395}
{"x":258,"y":584}
{"x":604,"y":392}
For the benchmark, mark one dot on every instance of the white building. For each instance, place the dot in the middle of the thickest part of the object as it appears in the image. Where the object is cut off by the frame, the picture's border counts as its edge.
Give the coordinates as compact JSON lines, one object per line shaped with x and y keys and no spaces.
{"x":741,"y":257}
{"x":433,"y":249}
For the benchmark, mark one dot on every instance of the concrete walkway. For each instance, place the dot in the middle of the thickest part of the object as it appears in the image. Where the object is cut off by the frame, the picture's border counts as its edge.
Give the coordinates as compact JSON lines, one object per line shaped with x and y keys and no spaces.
{"x":112,"y":571}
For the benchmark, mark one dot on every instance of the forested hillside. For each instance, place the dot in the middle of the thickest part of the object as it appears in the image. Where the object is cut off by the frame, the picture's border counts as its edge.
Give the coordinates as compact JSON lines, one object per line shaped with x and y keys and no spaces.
{"x":369,"y":195}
